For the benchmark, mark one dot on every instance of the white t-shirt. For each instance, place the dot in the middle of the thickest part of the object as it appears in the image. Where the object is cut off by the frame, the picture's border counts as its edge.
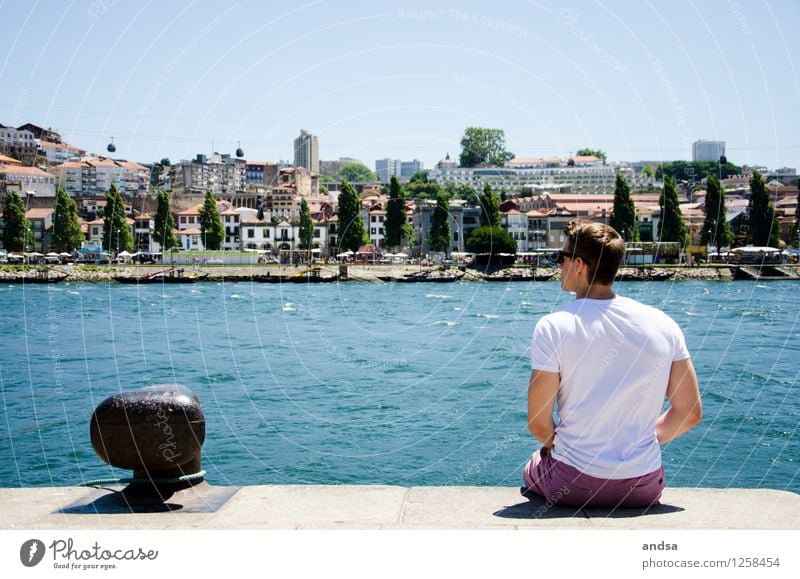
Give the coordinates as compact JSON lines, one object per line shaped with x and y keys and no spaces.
{"x":614,"y":358}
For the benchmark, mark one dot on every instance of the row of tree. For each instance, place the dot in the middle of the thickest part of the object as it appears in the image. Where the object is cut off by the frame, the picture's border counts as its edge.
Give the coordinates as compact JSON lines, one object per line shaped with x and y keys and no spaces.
{"x":490,"y":237}
{"x":763,"y":228}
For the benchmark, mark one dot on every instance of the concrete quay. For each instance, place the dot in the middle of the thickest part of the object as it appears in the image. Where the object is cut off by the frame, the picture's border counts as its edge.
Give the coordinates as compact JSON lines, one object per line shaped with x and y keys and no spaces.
{"x":375,"y":507}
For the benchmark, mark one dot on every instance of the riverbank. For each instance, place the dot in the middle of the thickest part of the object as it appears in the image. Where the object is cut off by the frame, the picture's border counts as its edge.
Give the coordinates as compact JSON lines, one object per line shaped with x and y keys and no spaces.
{"x":354,"y":272}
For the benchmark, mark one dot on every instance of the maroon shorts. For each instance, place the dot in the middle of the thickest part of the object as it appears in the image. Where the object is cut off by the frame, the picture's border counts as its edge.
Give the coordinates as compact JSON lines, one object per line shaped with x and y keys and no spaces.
{"x":562,"y":484}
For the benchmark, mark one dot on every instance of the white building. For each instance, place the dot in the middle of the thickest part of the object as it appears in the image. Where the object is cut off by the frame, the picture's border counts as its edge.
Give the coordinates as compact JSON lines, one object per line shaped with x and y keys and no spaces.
{"x":574,"y":174}
{"x":57,"y":153}
{"x":94,"y":176}
{"x":28,"y":180}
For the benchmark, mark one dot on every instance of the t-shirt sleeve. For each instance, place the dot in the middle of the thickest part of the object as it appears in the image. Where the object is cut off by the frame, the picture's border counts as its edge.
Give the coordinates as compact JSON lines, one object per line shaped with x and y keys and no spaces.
{"x":681,"y":352}
{"x":543,"y":347}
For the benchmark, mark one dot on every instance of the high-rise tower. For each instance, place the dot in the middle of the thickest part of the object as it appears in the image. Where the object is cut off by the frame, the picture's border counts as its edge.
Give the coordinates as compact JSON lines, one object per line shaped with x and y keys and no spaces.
{"x":306,"y":151}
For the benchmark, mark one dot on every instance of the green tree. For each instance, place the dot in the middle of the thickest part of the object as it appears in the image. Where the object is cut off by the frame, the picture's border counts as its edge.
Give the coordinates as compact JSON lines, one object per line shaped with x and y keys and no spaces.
{"x":480,"y":146}
{"x":357,"y":173}
{"x":764,"y":228}
{"x":439,"y":234}
{"x":592,"y":153}
{"x":164,"y":226}
{"x":211,"y":230}
{"x":17,"y":233}
{"x":490,"y":207}
{"x":306,"y":225}
{"x":649,"y":171}
{"x":419,"y":177}
{"x":326,"y":179}
{"x":117,"y":234}
{"x":624,"y":216}
{"x":491,"y":240}
{"x":396,"y":222}
{"x":671,"y":226}
{"x":67,"y":234}
{"x":423,"y":189}
{"x":691,"y":170}
{"x":352,"y":233}
{"x":716,"y":229}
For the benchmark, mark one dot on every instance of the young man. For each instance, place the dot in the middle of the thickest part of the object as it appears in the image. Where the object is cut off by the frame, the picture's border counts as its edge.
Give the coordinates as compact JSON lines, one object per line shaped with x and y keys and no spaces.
{"x":608,"y":361}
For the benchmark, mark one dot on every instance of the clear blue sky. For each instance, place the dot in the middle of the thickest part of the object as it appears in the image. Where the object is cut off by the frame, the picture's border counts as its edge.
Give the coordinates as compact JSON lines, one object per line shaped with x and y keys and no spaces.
{"x":640,"y":80}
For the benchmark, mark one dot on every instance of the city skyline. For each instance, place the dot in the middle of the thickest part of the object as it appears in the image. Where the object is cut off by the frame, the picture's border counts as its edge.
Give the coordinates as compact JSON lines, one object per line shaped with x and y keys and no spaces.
{"x":403,"y":82}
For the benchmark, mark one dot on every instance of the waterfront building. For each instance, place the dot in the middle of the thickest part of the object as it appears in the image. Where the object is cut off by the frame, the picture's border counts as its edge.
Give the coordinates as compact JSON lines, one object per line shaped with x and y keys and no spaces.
{"x":41,"y":222}
{"x":230,"y":221}
{"x":306,"y":151}
{"x":143,"y":239}
{"x":94,"y":231}
{"x":708,"y":150}
{"x":463,"y":219}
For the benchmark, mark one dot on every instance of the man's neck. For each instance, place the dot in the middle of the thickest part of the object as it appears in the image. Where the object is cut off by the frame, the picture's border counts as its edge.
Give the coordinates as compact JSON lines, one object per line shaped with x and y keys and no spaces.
{"x":595,"y":291}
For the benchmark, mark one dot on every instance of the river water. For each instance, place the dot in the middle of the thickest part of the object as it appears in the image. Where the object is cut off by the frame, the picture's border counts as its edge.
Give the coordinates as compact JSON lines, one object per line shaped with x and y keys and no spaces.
{"x":407,"y":384}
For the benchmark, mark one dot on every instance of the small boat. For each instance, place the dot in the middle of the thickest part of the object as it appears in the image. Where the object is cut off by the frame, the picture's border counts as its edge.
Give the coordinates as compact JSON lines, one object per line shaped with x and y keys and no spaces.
{"x":520,"y":277}
{"x":427,"y":278}
{"x":645,"y":275}
{"x":166,"y":276}
{"x":32,"y":279}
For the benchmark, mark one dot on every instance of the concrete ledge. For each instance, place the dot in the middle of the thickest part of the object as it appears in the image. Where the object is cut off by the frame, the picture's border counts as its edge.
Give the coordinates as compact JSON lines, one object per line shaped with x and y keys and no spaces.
{"x":391,"y":507}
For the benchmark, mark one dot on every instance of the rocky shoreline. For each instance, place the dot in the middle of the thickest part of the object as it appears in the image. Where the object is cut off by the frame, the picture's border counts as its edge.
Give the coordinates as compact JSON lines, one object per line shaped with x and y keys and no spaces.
{"x":365,"y":273}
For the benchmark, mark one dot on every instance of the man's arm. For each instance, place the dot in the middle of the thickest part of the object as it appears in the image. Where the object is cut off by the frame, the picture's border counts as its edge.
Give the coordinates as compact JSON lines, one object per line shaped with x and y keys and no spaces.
{"x":685,"y":407}
{"x":542,"y":391}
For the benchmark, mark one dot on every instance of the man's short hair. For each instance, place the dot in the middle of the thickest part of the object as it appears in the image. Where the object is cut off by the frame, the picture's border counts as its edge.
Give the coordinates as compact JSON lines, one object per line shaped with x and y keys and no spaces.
{"x":599,"y":246}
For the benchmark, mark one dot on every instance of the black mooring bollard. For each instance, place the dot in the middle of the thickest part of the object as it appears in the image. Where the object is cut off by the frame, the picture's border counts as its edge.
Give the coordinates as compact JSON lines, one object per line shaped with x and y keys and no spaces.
{"x":157,"y":432}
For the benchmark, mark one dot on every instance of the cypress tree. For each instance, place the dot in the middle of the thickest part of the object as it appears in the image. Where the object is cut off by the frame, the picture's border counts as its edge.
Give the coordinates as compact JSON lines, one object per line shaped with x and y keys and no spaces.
{"x":395,"y":225}
{"x":16,"y":229}
{"x":439,"y":234}
{"x":67,"y":234}
{"x":624,"y":217}
{"x":716,"y":229}
{"x":764,"y":228}
{"x":164,"y":226}
{"x":306,"y":225}
{"x":490,"y":207}
{"x":671,"y":227}
{"x":352,"y":233}
{"x":117,"y":234}
{"x":211,"y":229}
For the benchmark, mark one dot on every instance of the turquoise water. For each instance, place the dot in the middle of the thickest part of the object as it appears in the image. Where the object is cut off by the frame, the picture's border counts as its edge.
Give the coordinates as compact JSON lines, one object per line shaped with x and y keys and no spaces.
{"x":408,"y":384}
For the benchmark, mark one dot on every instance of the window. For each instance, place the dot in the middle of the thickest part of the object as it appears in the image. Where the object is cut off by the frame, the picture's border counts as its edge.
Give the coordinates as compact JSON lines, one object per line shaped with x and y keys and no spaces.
{"x":251,"y":233}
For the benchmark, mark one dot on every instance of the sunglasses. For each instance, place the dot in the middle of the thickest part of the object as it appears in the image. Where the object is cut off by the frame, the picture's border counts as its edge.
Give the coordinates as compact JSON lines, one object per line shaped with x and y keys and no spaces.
{"x":562,"y":255}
